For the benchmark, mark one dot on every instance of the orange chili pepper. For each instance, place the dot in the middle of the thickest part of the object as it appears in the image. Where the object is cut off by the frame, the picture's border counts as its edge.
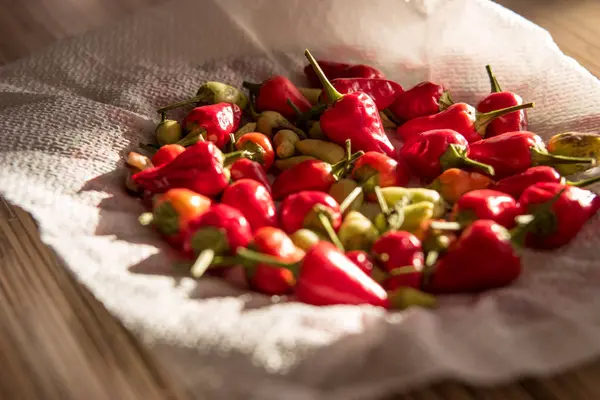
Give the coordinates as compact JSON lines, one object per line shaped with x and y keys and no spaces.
{"x":251,"y":140}
{"x":454,"y":182}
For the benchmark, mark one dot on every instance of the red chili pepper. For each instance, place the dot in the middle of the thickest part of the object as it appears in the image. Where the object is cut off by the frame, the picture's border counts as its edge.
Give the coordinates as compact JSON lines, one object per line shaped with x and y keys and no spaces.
{"x":297,"y":211}
{"x":561,"y":212}
{"x":248,"y":169}
{"x":486,"y":204}
{"x":425,"y":99}
{"x":362,"y":260}
{"x":269,"y":279}
{"x":173,"y":211}
{"x":311,"y":175}
{"x":514,"y":152}
{"x":259,"y":144}
{"x":213,"y":123}
{"x":376,"y":169}
{"x":382,"y":91}
{"x":253,"y":200}
{"x":482,"y":258}
{"x":335,"y":70}
{"x":516,"y":184}
{"x":325,"y":276}
{"x":166,"y":154}
{"x":273,"y":94}
{"x":397,"y":249}
{"x":438,"y":150}
{"x":352,"y":116}
{"x":497,"y":100}
{"x":409,"y":278}
{"x":460,"y":117}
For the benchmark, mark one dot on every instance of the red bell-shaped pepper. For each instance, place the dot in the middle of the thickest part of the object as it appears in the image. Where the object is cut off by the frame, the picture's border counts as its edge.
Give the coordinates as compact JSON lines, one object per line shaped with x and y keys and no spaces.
{"x":213,"y":123}
{"x":486,"y":204}
{"x":515,"y":185}
{"x":459,"y":117}
{"x":426,"y":98}
{"x":248,"y":169}
{"x":253,"y":200}
{"x":352,"y":116}
{"x":497,"y":100}
{"x":433,"y":152}
{"x":258,"y":144}
{"x":299,"y":210}
{"x":274,"y":93}
{"x":376,"y":169}
{"x":482,"y":258}
{"x":166,"y":154}
{"x":172,"y":212}
{"x":362,"y":260}
{"x":382,"y":91}
{"x":335,"y":70}
{"x":560,"y":212}
{"x":398,"y":249}
{"x":514,"y":152}
{"x":269,"y":279}
{"x":312,"y":175}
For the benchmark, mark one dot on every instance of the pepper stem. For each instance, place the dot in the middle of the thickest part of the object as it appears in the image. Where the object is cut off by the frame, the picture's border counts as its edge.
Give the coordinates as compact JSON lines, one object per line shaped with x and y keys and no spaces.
{"x":182,"y":103}
{"x":202,"y":263}
{"x":542,"y":157}
{"x":585,"y":182}
{"x":230,"y":158}
{"x":163,"y":116}
{"x":483,"y":119}
{"x":260,"y":258}
{"x":381,"y":200}
{"x":339,"y":168}
{"x":192,"y":138}
{"x":326,"y":224}
{"x":350,"y":199}
{"x":146,"y":218}
{"x":445,"y":101}
{"x":253,"y":88}
{"x":493,"y":81}
{"x":331,"y":92}
{"x":231,"y":142}
{"x":455,"y":157}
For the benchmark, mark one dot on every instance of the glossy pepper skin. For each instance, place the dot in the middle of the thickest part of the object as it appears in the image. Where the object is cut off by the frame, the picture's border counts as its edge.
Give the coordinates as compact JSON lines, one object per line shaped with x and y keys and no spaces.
{"x":352,"y":116}
{"x":362,"y":260}
{"x":382,"y":91}
{"x":268,"y":279}
{"x":454,"y":182}
{"x":482,"y":258}
{"x":248,"y":169}
{"x":199,"y":169}
{"x":499,"y":99}
{"x":253,"y":200}
{"x":260,"y":144}
{"x":214,"y":122}
{"x":376,"y":169}
{"x":559,"y":223}
{"x":397,"y":249}
{"x":336,"y":70}
{"x":297,"y":211}
{"x":420,"y":101}
{"x":435,"y":151}
{"x":273,"y":94}
{"x":173,"y":211}
{"x":409,"y":279}
{"x":227,"y":227}
{"x":486,"y":204}
{"x":459,"y":117}
{"x":166,"y":154}
{"x":514,"y":152}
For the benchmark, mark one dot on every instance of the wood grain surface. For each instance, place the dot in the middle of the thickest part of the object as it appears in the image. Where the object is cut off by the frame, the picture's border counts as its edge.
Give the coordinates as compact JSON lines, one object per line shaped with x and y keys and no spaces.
{"x":58,"y":342}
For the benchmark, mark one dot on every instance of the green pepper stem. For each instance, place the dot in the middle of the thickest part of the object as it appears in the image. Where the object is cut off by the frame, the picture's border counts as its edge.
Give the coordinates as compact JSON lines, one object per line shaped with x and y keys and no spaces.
{"x":253,"y":114}
{"x":163,"y":116}
{"x":295,"y":108}
{"x":253,"y":88}
{"x":231,"y":142}
{"x":483,"y":119}
{"x":493,"y":81}
{"x":202,"y":263}
{"x":146,"y":218}
{"x":149,"y":148}
{"x":332,"y":93}
{"x":350,"y":199}
{"x":381,"y":200}
{"x":326,"y":224}
{"x":445,"y":101}
{"x":585,"y":182}
{"x":339,"y":168}
{"x":406,"y":269}
{"x":230,"y":158}
{"x":455,"y":157}
{"x":192,"y":138}
{"x":265,"y":259}
{"x":542,"y":157}
{"x":182,"y":103}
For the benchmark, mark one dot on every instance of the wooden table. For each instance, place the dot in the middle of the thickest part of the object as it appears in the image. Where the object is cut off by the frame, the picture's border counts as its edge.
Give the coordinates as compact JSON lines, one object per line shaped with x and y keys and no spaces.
{"x":58,"y":342}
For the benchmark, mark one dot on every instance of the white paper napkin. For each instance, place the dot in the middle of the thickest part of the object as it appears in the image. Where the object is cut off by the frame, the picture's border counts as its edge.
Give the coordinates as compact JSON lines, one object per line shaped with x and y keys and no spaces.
{"x":69,"y":114}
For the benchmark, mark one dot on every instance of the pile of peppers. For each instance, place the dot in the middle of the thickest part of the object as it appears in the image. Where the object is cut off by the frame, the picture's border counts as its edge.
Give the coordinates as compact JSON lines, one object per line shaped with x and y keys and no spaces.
{"x":302,"y":189}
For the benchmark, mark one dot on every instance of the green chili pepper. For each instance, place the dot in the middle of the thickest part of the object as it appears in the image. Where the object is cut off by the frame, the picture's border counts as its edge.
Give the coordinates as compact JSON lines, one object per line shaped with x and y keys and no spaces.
{"x":269,"y":122}
{"x":286,"y":163}
{"x":322,"y":150}
{"x":408,"y":218}
{"x":357,"y":232}
{"x":315,"y":131}
{"x":285,"y":142}
{"x":394,"y":195}
{"x":305,"y":239}
{"x":340,"y":191}
{"x":212,"y":93}
{"x":167,"y":131}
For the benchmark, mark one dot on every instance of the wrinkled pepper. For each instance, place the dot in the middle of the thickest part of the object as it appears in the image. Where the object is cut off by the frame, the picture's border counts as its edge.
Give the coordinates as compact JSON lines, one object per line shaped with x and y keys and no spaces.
{"x":382,"y":91}
{"x":426,"y":98}
{"x":336,"y":70}
{"x":357,"y":232}
{"x":273,"y":94}
{"x":574,"y":144}
{"x":212,"y":93}
{"x":497,"y":100}
{"x":213,"y":123}
{"x":486,"y":204}
{"x":438,"y":150}
{"x":260,"y":145}
{"x":253,"y":200}
{"x":398,"y":249}
{"x":166,"y":154}
{"x":513,"y":152}
{"x":352,"y":116}
{"x":459,"y":117}
{"x":248,"y":169}
{"x":454,"y":182}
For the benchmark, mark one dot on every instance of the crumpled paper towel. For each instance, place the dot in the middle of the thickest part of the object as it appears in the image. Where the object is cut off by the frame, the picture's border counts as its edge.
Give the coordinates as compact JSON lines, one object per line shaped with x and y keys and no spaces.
{"x":69,"y":114}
